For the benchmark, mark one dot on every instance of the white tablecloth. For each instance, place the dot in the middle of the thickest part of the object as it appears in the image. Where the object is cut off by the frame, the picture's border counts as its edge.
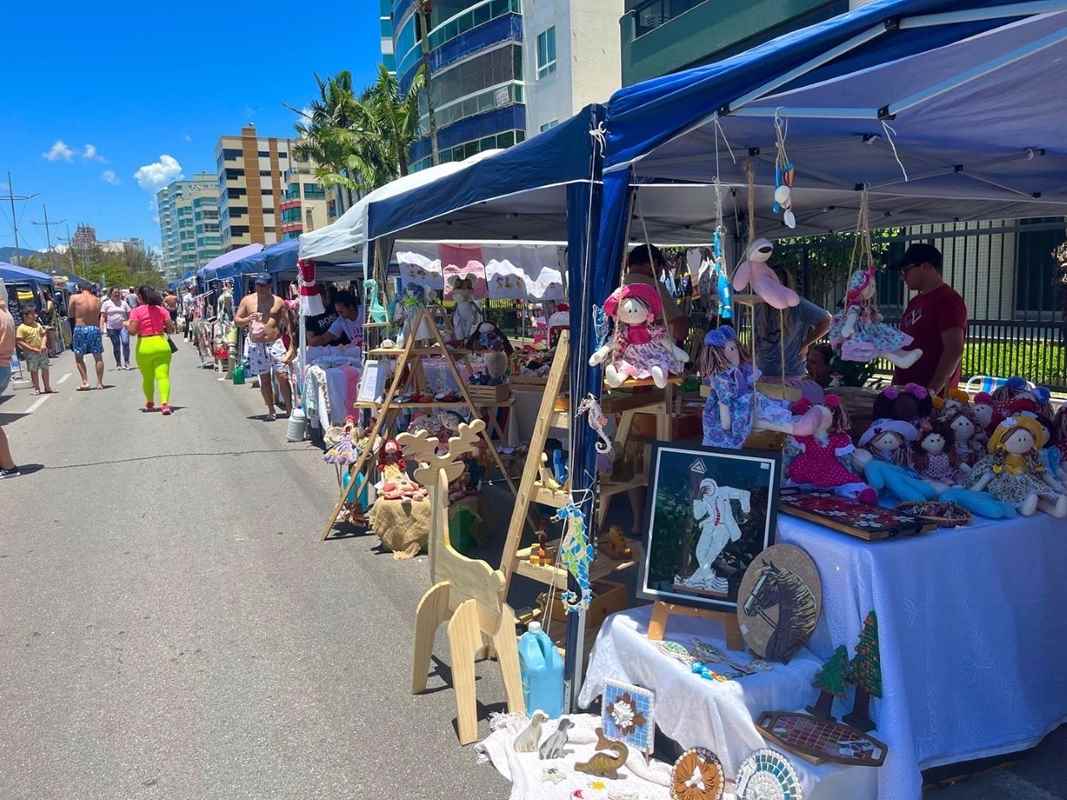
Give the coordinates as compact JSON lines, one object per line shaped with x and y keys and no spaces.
{"x":972,"y":631}
{"x":696,"y":712}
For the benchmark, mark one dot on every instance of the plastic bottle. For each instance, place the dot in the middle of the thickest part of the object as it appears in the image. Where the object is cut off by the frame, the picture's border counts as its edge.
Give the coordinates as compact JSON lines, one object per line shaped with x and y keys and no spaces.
{"x":541,"y":667}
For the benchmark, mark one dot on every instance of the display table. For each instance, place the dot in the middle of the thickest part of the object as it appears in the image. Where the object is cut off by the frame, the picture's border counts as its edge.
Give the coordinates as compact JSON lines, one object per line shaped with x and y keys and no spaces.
{"x":696,"y":712}
{"x":973,"y":636}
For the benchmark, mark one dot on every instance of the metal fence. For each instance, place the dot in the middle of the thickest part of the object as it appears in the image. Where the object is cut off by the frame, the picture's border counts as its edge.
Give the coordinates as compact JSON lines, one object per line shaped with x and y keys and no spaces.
{"x":1005,"y":271}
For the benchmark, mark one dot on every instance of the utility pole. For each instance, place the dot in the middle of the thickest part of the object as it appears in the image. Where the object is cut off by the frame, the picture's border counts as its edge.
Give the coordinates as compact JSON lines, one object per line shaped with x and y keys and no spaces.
{"x":48,"y":233}
{"x":12,"y":197}
{"x":70,"y":252}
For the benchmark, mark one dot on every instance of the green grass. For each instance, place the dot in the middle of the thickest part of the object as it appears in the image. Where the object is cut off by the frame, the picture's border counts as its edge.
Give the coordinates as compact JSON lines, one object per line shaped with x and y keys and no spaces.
{"x":1040,"y":362}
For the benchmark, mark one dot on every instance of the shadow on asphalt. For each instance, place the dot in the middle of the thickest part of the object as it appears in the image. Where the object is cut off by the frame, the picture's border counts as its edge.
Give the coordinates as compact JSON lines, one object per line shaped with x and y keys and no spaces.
{"x":6,"y":418}
{"x":29,"y":469}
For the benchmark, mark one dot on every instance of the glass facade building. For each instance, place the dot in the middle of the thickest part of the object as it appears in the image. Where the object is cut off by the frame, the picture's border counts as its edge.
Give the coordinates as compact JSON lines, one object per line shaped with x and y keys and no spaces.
{"x":189,"y":223}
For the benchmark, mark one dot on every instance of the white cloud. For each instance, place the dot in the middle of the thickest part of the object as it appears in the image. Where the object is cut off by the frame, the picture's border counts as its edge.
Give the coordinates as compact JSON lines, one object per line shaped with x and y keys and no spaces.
{"x":109,"y":176}
{"x":58,"y":152}
{"x":158,"y":174}
{"x":90,"y":154}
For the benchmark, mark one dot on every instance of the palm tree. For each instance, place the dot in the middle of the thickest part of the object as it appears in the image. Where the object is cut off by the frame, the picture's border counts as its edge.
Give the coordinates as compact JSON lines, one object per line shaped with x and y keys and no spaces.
{"x":360,"y":144}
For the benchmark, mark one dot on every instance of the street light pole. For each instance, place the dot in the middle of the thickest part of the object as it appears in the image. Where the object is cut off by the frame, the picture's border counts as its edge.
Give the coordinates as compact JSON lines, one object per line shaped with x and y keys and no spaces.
{"x":48,"y":232}
{"x":12,"y":197}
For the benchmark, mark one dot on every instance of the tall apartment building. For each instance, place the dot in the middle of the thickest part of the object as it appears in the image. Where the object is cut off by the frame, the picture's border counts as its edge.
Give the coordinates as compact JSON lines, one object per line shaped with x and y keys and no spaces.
{"x":189,"y":223}
{"x":385,"y":28}
{"x":305,"y":205}
{"x":84,"y":237}
{"x":251,"y":173}
{"x":502,"y":70}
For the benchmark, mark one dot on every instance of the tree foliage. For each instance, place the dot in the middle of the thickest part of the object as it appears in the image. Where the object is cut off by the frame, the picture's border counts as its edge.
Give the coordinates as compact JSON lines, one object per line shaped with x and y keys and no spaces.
{"x":131,"y":267}
{"x":360,"y":143}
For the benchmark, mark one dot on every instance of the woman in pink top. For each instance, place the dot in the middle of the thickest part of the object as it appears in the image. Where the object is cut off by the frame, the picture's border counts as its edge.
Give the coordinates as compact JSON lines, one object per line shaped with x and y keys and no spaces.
{"x":151,"y":323}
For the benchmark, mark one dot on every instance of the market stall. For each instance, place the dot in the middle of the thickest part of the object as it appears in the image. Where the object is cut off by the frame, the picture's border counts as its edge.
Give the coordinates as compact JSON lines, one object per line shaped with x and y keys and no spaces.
{"x":899,"y":113}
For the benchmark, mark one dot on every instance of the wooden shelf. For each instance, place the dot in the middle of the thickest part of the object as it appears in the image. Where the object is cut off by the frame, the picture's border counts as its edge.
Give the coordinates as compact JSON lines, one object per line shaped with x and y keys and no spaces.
{"x":439,"y":404}
{"x":557,"y":498}
{"x":391,"y":352}
{"x":603,"y":566}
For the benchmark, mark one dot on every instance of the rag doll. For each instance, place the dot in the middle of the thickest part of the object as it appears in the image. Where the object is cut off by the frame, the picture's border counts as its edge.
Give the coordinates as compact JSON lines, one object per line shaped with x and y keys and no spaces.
{"x":413,"y":302}
{"x":859,"y":334}
{"x":640,"y":346}
{"x":1013,"y":473}
{"x":986,"y":418}
{"x":910,"y":403}
{"x":820,"y":457}
{"x":934,"y":457}
{"x":1013,"y":388}
{"x":888,"y":440}
{"x":376,"y":312}
{"x":487,"y":337}
{"x":467,"y":314}
{"x":1059,"y":431}
{"x":735,"y":406}
{"x":755,"y":272}
{"x":961,"y":425}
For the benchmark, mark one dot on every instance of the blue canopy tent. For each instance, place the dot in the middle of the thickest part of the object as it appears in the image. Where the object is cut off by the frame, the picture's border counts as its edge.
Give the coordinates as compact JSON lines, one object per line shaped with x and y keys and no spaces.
{"x":944,"y":111}
{"x":209,"y":272}
{"x":13,"y":274}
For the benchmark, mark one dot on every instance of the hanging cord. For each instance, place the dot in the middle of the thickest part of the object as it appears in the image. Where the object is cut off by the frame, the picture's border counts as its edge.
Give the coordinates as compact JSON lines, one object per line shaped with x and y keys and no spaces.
{"x":890,"y":132}
{"x":648,"y":243}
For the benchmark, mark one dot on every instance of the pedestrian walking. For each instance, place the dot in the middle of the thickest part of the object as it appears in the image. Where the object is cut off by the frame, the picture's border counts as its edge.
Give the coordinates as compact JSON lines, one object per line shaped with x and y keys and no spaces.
{"x":85,"y":312}
{"x":151,"y":323}
{"x":113,"y":315}
{"x":7,"y":349}
{"x":32,"y":342}
{"x":170,"y":303}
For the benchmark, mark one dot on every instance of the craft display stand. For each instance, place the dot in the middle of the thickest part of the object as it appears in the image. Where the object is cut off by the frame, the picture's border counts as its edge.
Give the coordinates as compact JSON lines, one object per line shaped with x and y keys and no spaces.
{"x":533,"y":490}
{"x":662,"y":612}
{"x":467,"y":593}
{"x":408,"y":368}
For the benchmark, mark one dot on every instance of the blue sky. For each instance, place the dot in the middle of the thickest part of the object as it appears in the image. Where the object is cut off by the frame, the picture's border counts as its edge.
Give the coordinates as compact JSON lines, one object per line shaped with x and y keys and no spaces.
{"x":138,"y":81}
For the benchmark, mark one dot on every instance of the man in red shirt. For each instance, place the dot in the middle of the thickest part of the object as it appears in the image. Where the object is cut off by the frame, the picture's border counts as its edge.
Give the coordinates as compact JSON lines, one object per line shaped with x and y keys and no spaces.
{"x":936,"y":319}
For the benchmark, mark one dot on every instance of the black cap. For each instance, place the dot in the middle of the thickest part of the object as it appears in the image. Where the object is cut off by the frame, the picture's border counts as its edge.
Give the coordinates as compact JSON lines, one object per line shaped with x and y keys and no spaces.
{"x":919,"y":253}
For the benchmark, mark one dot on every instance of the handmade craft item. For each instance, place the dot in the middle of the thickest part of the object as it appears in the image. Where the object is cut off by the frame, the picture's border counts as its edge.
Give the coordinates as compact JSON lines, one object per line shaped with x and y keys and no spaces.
{"x":310,"y":297}
{"x":755,"y":272}
{"x":527,"y":741}
{"x":820,"y":459}
{"x":555,"y":745}
{"x":605,"y":764}
{"x":467,"y":315}
{"x":910,"y":403}
{"x":859,"y":334}
{"x":865,"y":673}
{"x":640,"y":347}
{"x":1012,"y":389}
{"x":376,"y":312}
{"x":941,"y":513}
{"x":831,"y":681}
{"x":767,"y":775}
{"x":598,"y":421}
{"x":934,"y":457}
{"x":888,"y":440}
{"x":959,"y":419}
{"x":466,"y":593}
{"x":412,"y":304}
{"x":1013,"y":473}
{"x":818,"y":740}
{"x":577,"y":556}
{"x":615,"y":545}
{"x":869,"y":523}
{"x":785,"y":176}
{"x":627,"y":714}
{"x":735,"y":406}
{"x":697,"y":775}
{"x":779,"y":602}
{"x":985,"y":414}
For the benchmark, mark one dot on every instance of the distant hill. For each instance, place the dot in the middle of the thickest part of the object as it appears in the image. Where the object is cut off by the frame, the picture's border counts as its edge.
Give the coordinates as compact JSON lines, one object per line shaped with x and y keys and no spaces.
{"x":8,"y":253}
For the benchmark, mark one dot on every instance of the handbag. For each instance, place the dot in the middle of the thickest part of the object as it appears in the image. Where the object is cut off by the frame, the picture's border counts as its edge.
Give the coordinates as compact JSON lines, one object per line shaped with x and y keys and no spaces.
{"x":173,"y":347}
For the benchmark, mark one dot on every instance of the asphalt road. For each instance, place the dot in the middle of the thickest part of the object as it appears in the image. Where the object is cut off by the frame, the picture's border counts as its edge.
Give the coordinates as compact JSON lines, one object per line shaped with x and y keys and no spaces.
{"x":171,"y":625}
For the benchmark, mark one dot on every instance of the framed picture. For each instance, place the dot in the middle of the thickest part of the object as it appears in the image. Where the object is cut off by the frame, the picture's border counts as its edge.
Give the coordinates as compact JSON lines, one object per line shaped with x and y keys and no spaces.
{"x":710,"y":512}
{"x":627,"y":715}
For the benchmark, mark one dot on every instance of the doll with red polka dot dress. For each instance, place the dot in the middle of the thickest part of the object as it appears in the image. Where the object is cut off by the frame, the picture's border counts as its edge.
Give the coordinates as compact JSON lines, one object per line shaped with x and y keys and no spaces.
{"x":821,"y":456}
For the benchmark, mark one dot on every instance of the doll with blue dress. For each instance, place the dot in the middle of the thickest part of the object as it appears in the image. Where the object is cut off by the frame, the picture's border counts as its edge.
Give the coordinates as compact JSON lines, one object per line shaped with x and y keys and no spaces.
{"x":735,"y":406}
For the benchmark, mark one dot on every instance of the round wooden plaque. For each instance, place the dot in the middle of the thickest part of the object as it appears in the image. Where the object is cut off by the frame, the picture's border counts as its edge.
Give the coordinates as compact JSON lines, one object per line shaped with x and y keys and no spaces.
{"x":779,"y":602}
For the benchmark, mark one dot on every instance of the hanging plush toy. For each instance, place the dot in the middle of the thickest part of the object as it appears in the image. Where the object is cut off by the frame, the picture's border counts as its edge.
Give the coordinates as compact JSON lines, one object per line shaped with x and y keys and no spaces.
{"x":640,"y":347}
{"x":413,"y":301}
{"x":1013,"y":472}
{"x":755,"y":272}
{"x":859,"y":334}
{"x":376,"y":312}
{"x":734,"y":405}
{"x":821,"y":457}
{"x":467,"y":314}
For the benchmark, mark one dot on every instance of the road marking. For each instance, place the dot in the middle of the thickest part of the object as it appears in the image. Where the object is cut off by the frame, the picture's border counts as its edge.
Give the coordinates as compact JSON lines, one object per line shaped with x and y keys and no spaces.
{"x":65,"y":376}
{"x":37,"y":403}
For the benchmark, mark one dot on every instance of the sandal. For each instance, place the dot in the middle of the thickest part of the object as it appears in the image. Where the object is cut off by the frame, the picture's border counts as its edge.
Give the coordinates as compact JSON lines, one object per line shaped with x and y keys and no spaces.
{"x":165,"y":409}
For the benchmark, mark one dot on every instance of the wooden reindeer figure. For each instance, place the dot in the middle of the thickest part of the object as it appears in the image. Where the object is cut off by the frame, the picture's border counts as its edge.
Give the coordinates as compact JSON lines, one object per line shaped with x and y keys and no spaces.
{"x":467,"y":593}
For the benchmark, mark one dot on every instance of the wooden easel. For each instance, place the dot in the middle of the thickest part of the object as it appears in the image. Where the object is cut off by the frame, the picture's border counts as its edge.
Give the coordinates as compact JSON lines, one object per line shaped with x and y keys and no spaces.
{"x":661,"y":614}
{"x":386,"y":411}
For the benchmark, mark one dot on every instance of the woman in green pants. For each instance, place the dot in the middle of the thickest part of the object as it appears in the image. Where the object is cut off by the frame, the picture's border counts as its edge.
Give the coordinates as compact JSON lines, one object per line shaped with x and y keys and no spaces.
{"x":151,"y":323}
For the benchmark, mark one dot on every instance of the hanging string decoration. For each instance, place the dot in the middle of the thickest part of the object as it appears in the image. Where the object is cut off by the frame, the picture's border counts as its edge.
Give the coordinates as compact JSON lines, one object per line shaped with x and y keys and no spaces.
{"x":597,"y":421}
{"x":577,"y":556}
{"x":722,"y":281}
{"x":785,"y":175}
{"x":601,"y":326}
